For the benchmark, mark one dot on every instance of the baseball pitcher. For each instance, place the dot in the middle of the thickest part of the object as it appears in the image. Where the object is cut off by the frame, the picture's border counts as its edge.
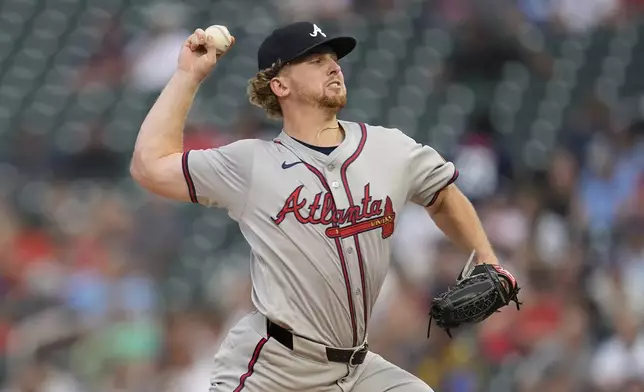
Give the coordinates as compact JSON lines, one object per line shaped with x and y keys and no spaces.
{"x":318,"y":207}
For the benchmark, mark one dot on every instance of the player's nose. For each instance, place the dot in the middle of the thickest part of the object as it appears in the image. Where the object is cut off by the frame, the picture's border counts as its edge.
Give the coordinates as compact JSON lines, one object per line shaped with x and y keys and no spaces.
{"x":334,"y":68}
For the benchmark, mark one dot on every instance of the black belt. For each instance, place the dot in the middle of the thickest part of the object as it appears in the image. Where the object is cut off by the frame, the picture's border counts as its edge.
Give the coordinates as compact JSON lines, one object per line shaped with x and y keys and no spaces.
{"x":351,"y":357}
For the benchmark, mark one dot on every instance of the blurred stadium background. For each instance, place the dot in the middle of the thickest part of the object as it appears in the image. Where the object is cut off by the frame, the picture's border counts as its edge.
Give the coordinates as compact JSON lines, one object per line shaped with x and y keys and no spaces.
{"x":538,"y":102}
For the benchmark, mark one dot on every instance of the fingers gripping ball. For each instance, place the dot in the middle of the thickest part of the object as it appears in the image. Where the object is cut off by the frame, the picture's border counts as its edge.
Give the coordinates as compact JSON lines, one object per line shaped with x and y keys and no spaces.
{"x":475,"y":298}
{"x":219,"y":37}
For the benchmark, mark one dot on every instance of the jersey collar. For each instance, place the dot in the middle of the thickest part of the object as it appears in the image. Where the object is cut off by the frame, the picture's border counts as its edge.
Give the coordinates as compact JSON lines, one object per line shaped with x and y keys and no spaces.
{"x":351,"y":138}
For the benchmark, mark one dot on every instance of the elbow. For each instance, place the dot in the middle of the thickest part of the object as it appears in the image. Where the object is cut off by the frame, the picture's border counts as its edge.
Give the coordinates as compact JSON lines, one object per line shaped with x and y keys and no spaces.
{"x":143,"y":176}
{"x":135,"y":172}
{"x":138,"y":170}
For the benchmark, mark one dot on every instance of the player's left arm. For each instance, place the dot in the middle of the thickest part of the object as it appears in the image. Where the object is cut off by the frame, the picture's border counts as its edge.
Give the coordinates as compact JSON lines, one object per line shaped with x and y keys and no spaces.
{"x":455,"y":215}
{"x":431,"y":184}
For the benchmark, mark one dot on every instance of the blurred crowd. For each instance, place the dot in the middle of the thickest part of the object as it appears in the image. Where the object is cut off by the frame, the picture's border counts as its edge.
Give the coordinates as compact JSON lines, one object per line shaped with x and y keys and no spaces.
{"x":92,"y":300}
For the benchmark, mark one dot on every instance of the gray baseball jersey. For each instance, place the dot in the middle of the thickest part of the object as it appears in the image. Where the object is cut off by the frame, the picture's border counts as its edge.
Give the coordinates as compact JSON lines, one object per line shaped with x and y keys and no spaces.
{"x":319,"y":226}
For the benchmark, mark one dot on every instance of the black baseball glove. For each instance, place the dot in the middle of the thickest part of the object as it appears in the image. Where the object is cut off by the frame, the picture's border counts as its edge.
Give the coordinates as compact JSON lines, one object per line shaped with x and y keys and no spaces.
{"x":475,"y":297}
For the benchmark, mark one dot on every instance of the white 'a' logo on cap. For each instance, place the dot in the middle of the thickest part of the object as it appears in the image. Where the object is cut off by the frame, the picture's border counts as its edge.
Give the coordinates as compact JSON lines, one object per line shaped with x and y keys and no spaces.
{"x":317,"y":30}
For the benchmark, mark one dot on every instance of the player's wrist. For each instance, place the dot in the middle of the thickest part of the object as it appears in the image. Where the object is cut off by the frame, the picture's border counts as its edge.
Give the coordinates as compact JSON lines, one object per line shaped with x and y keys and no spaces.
{"x":486,"y":258}
{"x":187,"y":79}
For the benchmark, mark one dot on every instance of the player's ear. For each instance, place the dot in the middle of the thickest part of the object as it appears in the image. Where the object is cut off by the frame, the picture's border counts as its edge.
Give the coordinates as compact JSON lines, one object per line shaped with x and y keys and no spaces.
{"x":279,"y":87}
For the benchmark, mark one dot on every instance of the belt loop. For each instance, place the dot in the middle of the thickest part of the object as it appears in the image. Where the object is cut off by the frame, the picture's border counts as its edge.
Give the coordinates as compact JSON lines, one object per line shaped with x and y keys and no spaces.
{"x":353,"y":355}
{"x":362,"y":351}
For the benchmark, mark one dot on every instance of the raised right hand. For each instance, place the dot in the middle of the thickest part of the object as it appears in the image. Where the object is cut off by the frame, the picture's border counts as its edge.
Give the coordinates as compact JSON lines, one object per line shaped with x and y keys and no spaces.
{"x":198,"y":55}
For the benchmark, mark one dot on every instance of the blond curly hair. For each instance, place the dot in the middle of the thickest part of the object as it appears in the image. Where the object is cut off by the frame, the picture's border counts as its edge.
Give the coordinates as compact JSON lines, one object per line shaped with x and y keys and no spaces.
{"x":260,"y":93}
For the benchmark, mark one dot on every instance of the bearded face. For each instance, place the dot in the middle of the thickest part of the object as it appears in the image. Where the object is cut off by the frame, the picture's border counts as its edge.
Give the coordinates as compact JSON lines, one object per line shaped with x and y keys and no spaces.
{"x":317,"y":81}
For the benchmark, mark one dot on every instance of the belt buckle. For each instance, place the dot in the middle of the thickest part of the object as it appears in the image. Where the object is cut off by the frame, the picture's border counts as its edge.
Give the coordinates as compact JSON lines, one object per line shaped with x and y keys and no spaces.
{"x":360,"y":349}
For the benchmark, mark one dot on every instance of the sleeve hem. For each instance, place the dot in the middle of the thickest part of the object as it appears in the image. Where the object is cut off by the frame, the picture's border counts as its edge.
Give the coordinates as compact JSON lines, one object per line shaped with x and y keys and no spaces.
{"x":451,"y":181}
{"x":186,"y":174}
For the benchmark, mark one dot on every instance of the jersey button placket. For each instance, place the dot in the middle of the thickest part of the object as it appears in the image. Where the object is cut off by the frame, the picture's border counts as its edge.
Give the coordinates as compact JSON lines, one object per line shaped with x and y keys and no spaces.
{"x":342,"y":202}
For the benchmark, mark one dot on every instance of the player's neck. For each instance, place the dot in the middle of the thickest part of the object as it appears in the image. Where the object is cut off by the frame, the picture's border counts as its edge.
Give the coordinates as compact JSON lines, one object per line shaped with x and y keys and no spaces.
{"x":314,"y":128}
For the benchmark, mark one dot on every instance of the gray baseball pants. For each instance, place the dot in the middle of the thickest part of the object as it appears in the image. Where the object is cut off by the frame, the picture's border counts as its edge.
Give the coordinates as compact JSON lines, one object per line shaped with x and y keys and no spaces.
{"x":249,"y":360}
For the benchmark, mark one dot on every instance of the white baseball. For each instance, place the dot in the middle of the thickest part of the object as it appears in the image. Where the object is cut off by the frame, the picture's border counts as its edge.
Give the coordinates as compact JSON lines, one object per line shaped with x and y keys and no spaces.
{"x":221,"y":37}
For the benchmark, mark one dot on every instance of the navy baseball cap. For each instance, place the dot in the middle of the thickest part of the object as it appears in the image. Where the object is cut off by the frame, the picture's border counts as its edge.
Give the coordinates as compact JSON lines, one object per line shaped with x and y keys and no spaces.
{"x":299,"y":39}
